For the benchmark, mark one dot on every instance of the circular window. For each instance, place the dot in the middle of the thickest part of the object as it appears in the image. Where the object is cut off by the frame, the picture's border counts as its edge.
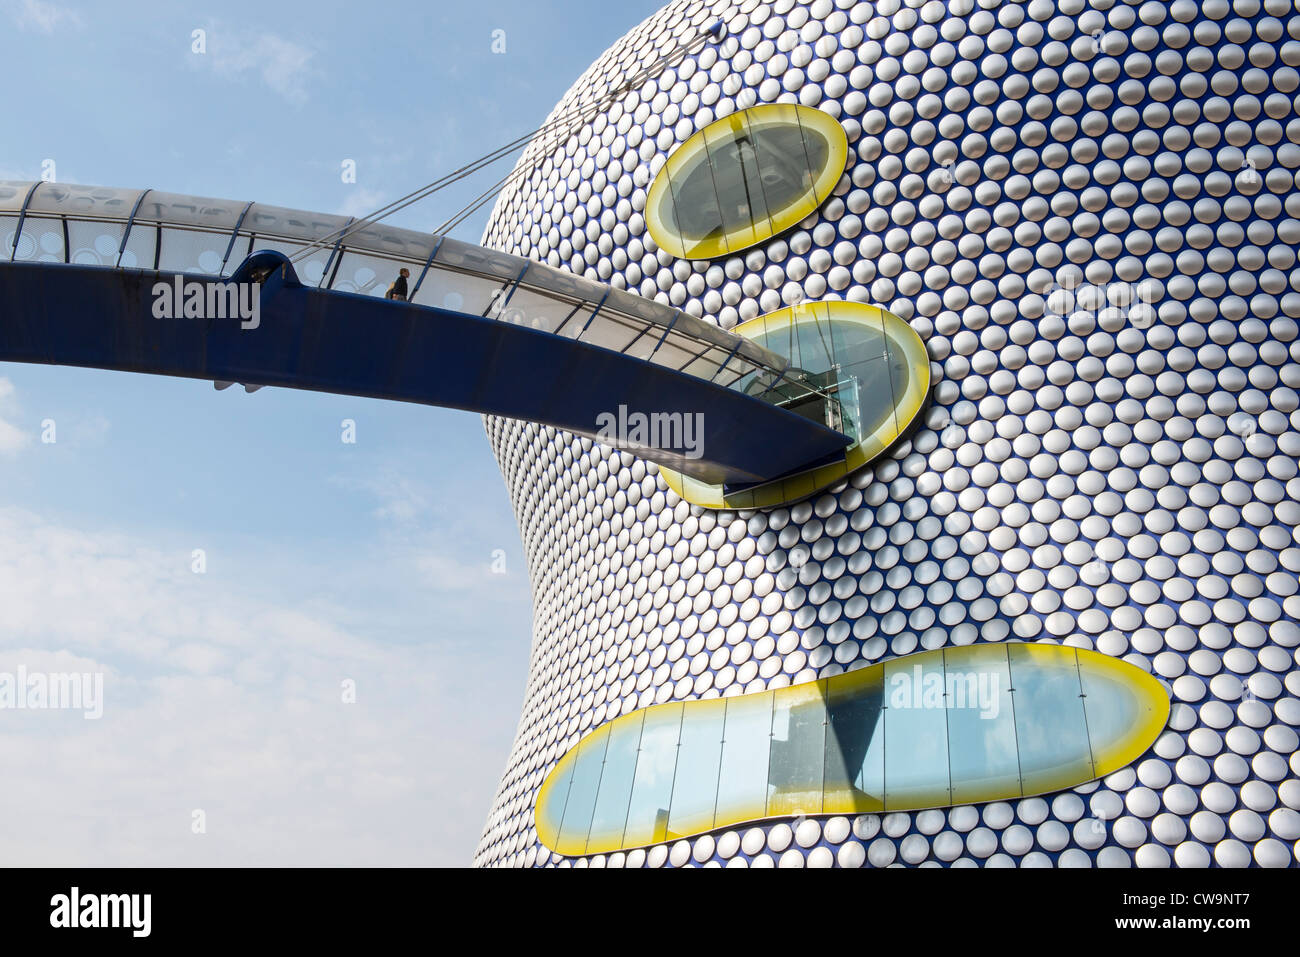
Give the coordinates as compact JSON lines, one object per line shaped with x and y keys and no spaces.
{"x":745,"y":178}
{"x":857,"y":368}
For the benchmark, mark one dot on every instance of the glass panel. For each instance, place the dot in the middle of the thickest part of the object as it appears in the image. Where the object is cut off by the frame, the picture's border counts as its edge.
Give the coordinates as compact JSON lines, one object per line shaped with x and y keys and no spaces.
{"x":874,"y":398}
{"x":982,"y":758}
{"x":566,"y":283}
{"x":621,"y":302}
{"x":672,"y":355}
{"x":699,"y":758}
{"x":760,"y":356}
{"x":694,"y":213}
{"x":549,"y":813}
{"x":1050,"y":727}
{"x":610,"y":816}
{"x":855,"y":743}
{"x":706,"y":366}
{"x":294,"y":224}
{"x":647,"y":818}
{"x":746,"y":744}
{"x":8,"y":229}
{"x":737,"y":185}
{"x":767,"y":201}
{"x":811,"y":339}
{"x":358,"y":273}
{"x":190,"y":250}
{"x":795,"y":770}
{"x":93,"y":244}
{"x":528,"y":308}
{"x":389,"y":241}
{"x":738,"y":366}
{"x":582,"y":792}
{"x":642,"y":347}
{"x":863,"y":387}
{"x":42,"y":241}
{"x":843,"y":410}
{"x":140,"y":243}
{"x":484,"y":262}
{"x":753,"y":382}
{"x":676,"y":351}
{"x":926,"y":730}
{"x":239,"y":251}
{"x":218,"y":215}
{"x":610,"y":333}
{"x":698,"y":329}
{"x":840,"y":334}
{"x":310,"y":270}
{"x":12,"y":194}
{"x":570,"y":325}
{"x":1112,"y":708}
{"x":85,"y":201}
{"x":749,"y":169}
{"x":735,"y":376}
{"x":858,"y":341}
{"x":442,"y":288}
{"x":900,"y":374}
{"x":290,"y":247}
{"x":916,"y":732}
{"x":790,"y":156}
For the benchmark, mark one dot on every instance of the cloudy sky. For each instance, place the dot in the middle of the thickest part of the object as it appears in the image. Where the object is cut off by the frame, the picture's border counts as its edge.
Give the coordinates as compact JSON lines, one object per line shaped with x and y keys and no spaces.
{"x":325,"y":564}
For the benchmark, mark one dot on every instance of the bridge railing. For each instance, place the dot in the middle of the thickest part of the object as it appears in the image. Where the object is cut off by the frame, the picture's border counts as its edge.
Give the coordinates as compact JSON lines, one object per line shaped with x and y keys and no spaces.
{"x":149,"y":229}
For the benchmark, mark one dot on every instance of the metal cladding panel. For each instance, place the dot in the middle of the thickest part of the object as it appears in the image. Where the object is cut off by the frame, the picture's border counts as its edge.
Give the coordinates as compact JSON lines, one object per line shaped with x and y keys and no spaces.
{"x":1089,"y":212}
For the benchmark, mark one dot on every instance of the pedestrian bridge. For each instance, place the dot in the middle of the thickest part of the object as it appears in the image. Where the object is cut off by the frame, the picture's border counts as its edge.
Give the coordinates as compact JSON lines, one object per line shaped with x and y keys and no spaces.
{"x":128,"y":280}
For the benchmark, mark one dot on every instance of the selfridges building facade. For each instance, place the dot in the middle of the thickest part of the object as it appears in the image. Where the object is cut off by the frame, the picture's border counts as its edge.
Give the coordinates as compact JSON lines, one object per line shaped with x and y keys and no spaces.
{"x":1087,"y":212}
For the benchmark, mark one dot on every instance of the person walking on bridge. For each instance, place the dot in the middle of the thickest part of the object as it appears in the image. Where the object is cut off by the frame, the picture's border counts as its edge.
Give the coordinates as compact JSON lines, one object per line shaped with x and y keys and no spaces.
{"x":398,"y":289}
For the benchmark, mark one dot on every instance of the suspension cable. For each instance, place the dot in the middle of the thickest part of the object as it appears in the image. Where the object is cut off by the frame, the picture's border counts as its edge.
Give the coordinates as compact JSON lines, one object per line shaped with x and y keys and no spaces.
{"x":425,"y":191}
{"x":478,"y":202}
{"x":569,"y":120}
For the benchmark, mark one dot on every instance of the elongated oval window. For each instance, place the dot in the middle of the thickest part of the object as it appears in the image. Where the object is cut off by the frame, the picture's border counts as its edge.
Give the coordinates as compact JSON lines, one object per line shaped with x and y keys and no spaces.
{"x":954,"y":726}
{"x":855,"y":367}
{"x":744,"y":178}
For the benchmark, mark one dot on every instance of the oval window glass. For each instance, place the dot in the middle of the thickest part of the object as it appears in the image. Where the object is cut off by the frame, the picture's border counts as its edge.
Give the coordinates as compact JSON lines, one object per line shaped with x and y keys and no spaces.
{"x":853,"y":367}
{"x":993,"y":722}
{"x":744,"y":178}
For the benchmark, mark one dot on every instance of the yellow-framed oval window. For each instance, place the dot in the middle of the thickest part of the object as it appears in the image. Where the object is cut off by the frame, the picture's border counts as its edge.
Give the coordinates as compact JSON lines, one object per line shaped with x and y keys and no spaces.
{"x":745,"y":178}
{"x":960,"y":725}
{"x":868,"y":375}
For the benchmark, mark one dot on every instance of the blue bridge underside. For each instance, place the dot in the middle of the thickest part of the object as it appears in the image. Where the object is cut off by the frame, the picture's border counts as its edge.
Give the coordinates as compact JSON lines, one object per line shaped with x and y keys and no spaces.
{"x":330,"y":341}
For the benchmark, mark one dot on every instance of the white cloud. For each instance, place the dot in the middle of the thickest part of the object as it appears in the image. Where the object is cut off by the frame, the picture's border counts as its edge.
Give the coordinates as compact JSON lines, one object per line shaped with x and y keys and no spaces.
{"x":401,"y":500}
{"x":218,"y":701}
{"x":89,"y":431}
{"x":284,"y":66}
{"x":42,"y":17}
{"x":362,"y":202}
{"x":12,"y":438}
{"x":457,"y":573}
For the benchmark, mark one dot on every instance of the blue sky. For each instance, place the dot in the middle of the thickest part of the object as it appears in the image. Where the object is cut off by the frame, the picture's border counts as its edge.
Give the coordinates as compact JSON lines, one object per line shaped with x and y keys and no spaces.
{"x":325,"y":561}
